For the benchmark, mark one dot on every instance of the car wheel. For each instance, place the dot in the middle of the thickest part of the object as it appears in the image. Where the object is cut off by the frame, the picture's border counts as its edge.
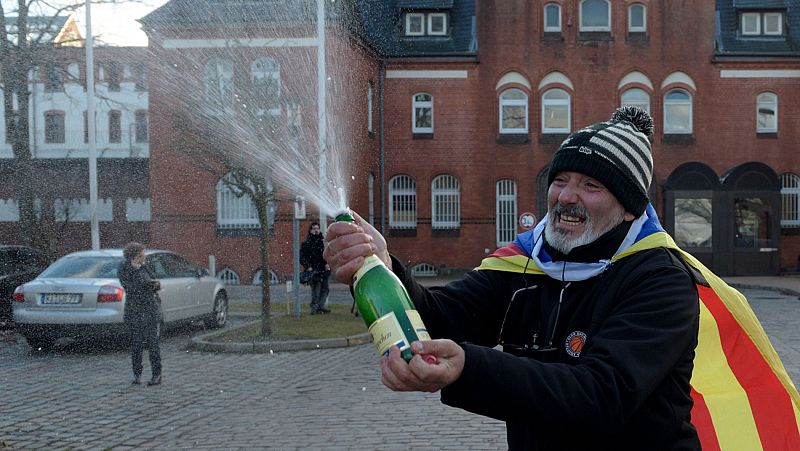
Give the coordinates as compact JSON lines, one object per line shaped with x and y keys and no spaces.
{"x":219,"y":316}
{"x":40,"y":344}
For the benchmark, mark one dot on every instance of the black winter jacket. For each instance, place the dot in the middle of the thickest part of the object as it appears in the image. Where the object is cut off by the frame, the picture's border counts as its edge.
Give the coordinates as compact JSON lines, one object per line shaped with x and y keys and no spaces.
{"x":615,"y":375}
{"x":311,"y":253}
{"x":141,"y":289}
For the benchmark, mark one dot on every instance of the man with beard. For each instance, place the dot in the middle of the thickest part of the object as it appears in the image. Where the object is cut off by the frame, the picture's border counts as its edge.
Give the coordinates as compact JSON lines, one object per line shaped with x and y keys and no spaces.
{"x":313,"y":262}
{"x":597,"y":326}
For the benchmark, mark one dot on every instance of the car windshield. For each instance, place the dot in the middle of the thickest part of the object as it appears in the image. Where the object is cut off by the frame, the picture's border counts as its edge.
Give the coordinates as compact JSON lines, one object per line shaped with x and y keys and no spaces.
{"x":84,"y":268}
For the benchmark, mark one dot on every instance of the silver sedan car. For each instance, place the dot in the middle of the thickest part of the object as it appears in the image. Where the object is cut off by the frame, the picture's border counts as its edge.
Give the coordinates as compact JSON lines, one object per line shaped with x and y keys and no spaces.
{"x":79,"y":295}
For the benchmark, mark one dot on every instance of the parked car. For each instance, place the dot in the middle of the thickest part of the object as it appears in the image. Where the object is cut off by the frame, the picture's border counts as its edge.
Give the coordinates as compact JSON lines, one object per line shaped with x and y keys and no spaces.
{"x":18,"y":264}
{"x":80,"y":295}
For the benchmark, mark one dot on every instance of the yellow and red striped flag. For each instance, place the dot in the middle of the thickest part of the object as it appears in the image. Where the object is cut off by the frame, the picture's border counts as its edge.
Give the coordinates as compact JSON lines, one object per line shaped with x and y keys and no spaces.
{"x":743,"y":396}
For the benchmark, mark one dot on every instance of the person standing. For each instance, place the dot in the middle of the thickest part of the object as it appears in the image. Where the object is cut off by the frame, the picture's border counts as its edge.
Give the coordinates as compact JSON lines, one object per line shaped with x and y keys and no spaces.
{"x":312,"y":261}
{"x":142,"y":311}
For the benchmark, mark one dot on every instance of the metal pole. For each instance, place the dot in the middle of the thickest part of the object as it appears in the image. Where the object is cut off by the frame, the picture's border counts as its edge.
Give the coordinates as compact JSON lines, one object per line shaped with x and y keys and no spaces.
{"x":90,"y":119}
{"x":294,"y":131}
{"x":322,"y":128}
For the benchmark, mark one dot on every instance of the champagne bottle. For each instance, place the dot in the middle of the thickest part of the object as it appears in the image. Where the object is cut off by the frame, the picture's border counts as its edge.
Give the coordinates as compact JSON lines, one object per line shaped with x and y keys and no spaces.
{"x":385,"y":305}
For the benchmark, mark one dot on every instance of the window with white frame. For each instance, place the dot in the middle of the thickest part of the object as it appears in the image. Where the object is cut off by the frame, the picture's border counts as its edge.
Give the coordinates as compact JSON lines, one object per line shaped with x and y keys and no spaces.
{"x":552,"y":18}
{"x":437,"y":24}
{"x":767,"y":113}
{"x":265,"y":77}
{"x":235,"y":210}
{"x":790,"y":200}
{"x":141,"y":126}
{"x":445,"y":202}
{"x":677,"y":112}
{"x":423,"y":113}
{"x":402,"y":202}
{"x":636,"y":97}
{"x":424,"y":270}
{"x":369,"y":107}
{"x":218,"y":85}
{"x":228,"y":276}
{"x":505,"y":211}
{"x":513,"y":111}
{"x":555,"y":111}
{"x":54,"y":127}
{"x":761,"y":23}
{"x":55,"y":78}
{"x":415,"y":24}
{"x":115,"y":126}
{"x":273,"y":278}
{"x":595,"y":15}
{"x":637,"y":18}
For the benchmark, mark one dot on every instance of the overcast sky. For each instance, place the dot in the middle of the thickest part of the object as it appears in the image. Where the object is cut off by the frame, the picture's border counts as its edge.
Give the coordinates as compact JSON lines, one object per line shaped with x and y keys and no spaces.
{"x":114,"y":24}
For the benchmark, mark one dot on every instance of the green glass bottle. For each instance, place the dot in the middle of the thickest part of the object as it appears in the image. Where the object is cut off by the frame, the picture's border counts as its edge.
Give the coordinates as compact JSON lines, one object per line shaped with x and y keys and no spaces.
{"x":385,"y":305}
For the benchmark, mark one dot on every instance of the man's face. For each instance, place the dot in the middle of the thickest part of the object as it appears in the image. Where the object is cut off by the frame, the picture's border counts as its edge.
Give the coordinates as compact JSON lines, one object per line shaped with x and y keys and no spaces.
{"x":315,"y":230}
{"x":581,"y":209}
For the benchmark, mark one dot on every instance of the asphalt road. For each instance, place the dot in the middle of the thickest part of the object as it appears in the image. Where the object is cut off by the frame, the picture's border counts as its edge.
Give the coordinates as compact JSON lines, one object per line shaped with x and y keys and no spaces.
{"x":80,"y":398}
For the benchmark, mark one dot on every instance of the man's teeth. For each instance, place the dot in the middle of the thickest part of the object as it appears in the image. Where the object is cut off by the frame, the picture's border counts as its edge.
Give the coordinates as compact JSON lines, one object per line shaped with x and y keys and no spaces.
{"x":568,"y":218}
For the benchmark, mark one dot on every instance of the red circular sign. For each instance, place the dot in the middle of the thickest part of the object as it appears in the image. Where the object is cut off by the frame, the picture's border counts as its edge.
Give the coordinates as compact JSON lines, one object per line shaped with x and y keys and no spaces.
{"x":527,"y":220}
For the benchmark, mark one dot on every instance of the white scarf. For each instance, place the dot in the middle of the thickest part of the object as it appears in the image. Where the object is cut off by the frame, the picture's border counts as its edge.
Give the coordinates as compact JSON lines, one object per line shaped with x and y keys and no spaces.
{"x":575,"y":271}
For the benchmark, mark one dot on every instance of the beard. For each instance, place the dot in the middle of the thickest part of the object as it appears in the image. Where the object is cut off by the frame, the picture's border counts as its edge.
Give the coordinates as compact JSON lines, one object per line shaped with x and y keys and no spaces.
{"x":561,"y":240}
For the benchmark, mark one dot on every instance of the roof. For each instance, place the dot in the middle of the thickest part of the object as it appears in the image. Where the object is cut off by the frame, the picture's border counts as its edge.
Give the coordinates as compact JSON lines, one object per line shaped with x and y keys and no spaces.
{"x":729,"y":42}
{"x":45,"y":29}
{"x":382,"y":23}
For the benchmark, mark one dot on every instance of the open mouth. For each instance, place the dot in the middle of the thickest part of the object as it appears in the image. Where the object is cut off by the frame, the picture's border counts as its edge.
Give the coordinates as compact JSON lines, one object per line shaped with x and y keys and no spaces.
{"x":572,"y":220}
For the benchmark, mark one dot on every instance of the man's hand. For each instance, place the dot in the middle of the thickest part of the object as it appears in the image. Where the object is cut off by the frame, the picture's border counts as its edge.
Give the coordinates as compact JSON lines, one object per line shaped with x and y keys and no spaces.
{"x":418,"y":375}
{"x":346,"y":245}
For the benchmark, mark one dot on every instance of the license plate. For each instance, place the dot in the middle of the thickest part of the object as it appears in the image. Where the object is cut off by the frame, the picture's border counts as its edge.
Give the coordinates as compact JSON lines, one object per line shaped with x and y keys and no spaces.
{"x":61,"y":298}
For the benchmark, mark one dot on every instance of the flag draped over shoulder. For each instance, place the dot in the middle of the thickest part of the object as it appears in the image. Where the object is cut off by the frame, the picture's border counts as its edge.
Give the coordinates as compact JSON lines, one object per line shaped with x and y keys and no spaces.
{"x":743,"y":396}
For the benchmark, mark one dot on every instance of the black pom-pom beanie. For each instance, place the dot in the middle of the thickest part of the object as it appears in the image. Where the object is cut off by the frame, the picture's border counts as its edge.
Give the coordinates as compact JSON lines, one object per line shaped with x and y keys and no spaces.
{"x":616,"y":153}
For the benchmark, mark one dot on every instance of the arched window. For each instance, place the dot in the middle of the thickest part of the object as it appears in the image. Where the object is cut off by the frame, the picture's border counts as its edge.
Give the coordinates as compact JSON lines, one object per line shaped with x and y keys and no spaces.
{"x":218,"y":84}
{"x":228,"y":276}
{"x":513,"y":111}
{"x":265,"y":77}
{"x":445,"y":202}
{"x":273,"y":278}
{"x":141,"y":126}
{"x":790,"y":200}
{"x":552,"y":18}
{"x":637,"y":18}
{"x":677,"y":112}
{"x":422,"y":111}
{"x":505,"y":211}
{"x":636,"y":97}
{"x":235,"y":210}
{"x":424,"y":270}
{"x":556,"y":111}
{"x":767,"y":113}
{"x":402,"y":202}
{"x":595,"y":15}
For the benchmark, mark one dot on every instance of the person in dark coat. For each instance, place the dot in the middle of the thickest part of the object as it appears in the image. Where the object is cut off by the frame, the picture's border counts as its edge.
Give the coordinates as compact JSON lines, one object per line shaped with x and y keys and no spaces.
{"x":597,"y":323}
{"x":142,"y":311}
{"x":313,"y":262}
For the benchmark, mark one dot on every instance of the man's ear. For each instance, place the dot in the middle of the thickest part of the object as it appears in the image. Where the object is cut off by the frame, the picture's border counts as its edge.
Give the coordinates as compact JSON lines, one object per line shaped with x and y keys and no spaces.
{"x":628,"y":216}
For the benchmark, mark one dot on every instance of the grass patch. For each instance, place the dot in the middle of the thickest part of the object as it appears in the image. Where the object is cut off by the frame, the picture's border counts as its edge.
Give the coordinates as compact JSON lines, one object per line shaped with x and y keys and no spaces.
{"x":339,"y":323}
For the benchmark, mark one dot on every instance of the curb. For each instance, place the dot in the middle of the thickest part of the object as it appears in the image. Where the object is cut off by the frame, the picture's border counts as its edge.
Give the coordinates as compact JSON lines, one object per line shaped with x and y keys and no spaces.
{"x":202,"y":344}
{"x":781,"y":290}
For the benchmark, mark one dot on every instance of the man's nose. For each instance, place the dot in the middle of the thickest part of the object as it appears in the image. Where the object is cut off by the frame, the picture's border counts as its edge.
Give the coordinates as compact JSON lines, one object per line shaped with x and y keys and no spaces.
{"x":568,"y":195}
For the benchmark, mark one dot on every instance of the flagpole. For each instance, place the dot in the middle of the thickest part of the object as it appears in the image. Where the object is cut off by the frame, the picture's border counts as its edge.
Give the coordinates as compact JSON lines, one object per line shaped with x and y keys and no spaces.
{"x":90,"y":120}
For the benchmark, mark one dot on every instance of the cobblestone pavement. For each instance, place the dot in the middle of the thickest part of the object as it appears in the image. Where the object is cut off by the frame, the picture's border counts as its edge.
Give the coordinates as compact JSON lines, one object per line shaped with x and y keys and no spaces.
{"x":80,"y":398}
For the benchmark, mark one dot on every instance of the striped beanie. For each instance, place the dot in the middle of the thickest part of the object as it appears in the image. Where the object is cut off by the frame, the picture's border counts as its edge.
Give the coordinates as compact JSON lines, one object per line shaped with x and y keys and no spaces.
{"x":616,"y":153}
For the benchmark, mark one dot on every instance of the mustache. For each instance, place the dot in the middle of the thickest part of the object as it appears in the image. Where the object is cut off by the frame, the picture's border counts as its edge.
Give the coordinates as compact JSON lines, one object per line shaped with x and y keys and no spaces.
{"x":576,"y":210}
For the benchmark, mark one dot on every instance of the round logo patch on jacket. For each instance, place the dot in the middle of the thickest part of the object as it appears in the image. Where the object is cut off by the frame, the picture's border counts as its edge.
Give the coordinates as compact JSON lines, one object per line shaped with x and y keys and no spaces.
{"x":574,"y":343}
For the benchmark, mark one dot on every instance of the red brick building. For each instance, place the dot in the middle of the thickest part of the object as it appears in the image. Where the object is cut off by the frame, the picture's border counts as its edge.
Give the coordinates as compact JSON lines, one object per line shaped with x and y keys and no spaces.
{"x":469,"y":99}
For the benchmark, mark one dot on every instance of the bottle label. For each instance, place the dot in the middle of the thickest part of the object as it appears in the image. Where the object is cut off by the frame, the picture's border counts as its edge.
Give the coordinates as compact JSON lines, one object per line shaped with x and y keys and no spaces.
{"x":369,"y":263}
{"x":386,"y":332}
{"x":416,"y":323}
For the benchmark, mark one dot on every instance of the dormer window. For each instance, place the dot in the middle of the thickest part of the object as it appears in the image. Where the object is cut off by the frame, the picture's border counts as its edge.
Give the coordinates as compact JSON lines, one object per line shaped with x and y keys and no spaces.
{"x":426,"y":24}
{"x":415,"y":24}
{"x":758,"y":23}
